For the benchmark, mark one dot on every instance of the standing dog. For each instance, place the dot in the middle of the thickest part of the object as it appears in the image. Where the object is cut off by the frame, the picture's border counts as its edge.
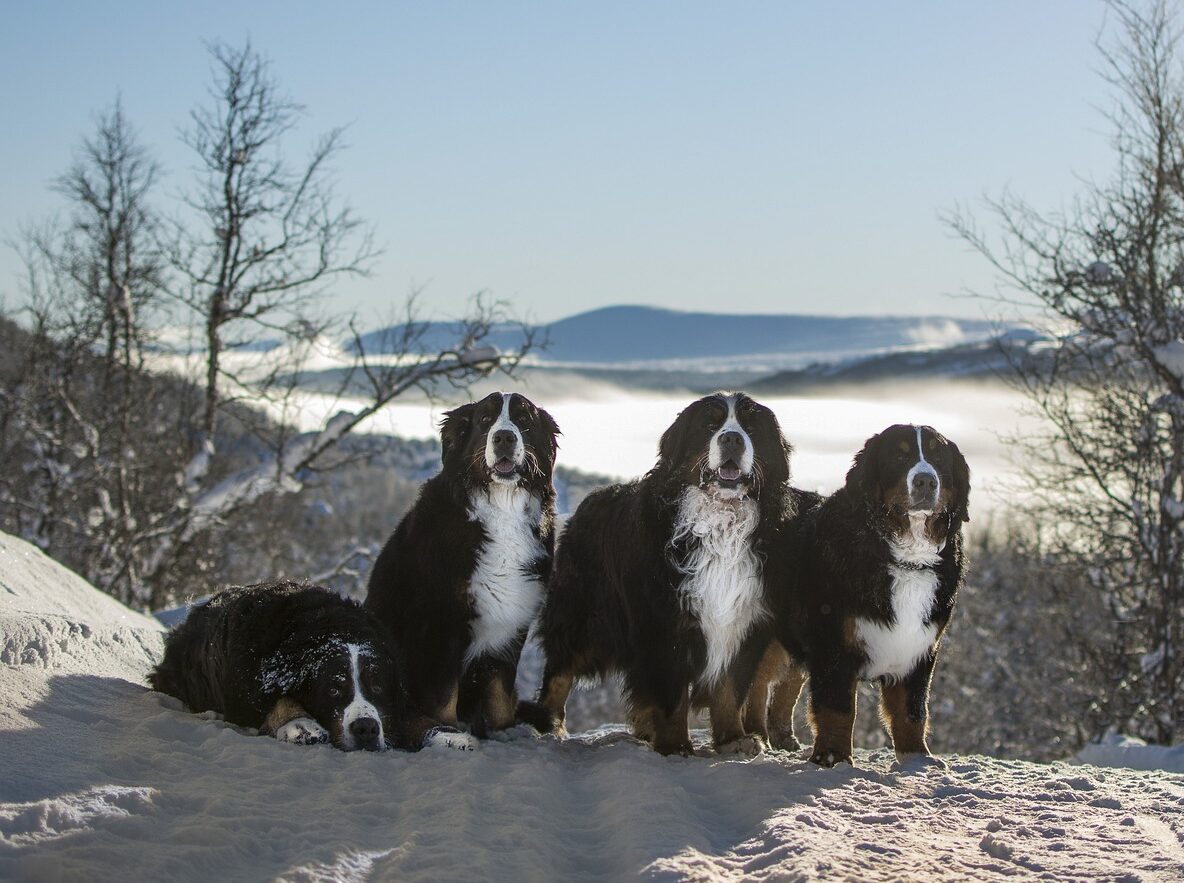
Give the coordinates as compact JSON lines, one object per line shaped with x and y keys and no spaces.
{"x":864,"y":586}
{"x":461,"y":579}
{"x":661,"y":580}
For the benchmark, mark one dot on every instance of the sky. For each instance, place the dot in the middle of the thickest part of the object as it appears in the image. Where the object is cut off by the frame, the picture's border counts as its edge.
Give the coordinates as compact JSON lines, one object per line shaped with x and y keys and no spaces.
{"x":759,"y":157}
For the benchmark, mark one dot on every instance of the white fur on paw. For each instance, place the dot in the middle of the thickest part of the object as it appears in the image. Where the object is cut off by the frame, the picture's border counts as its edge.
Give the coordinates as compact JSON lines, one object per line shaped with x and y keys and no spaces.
{"x":302,"y":731}
{"x":439,"y":738}
{"x":749,"y":746}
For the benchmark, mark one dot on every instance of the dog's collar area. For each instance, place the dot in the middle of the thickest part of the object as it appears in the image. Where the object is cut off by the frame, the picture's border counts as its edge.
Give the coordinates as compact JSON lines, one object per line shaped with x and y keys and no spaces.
{"x":910,"y":565}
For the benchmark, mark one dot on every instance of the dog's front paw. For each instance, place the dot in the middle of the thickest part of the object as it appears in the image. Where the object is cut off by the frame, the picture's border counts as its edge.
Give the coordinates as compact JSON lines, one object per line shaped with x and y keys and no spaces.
{"x":827,"y":759}
{"x":671,"y":749}
{"x":302,"y":731}
{"x":750,"y":746}
{"x":447,"y":737}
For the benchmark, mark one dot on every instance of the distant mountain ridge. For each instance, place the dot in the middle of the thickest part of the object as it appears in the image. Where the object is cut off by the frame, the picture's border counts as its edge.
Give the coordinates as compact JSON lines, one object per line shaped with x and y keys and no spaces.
{"x":994,"y":358}
{"x":647,"y":336}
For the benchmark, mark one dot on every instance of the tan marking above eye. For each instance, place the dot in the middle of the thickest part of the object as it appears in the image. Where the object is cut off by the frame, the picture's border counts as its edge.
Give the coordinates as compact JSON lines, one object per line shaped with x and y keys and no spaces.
{"x":904,"y":447}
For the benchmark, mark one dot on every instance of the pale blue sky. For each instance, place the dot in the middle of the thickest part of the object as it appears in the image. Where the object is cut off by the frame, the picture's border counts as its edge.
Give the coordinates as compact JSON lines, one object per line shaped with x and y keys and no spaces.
{"x":757,"y":157}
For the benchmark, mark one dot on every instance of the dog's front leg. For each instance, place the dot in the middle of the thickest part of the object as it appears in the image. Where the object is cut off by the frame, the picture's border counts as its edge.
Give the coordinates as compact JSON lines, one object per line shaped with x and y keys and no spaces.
{"x":832,"y":710}
{"x":289,"y":722}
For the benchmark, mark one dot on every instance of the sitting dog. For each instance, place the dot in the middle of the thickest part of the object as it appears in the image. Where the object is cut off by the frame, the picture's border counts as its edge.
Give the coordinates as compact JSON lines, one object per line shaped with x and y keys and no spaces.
{"x":863,"y":586}
{"x":461,"y":579}
{"x":661,"y":579}
{"x":298,"y":662}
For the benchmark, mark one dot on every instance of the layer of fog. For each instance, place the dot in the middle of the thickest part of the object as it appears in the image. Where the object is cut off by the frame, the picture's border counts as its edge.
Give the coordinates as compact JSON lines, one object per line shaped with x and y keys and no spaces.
{"x":613,"y":431}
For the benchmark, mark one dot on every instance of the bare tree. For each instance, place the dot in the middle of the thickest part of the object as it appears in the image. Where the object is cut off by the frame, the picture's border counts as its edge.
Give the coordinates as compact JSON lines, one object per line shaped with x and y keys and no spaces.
{"x":1107,"y":476}
{"x":409,"y":360}
{"x":136,"y":476}
{"x":93,"y":282}
{"x":110,"y":250}
{"x":268,"y":234}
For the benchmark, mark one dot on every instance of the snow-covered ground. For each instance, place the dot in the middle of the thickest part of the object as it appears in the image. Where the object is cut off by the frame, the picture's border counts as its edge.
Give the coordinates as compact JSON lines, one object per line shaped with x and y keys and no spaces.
{"x":101,"y":779}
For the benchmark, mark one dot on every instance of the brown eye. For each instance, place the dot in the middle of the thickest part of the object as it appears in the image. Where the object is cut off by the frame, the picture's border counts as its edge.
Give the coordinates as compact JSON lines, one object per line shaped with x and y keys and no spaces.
{"x":376,"y":690}
{"x":334,"y":692}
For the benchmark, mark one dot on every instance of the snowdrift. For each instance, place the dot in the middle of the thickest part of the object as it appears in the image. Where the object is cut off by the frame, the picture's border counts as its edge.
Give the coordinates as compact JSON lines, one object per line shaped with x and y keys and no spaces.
{"x":1132,"y":753}
{"x":101,"y":779}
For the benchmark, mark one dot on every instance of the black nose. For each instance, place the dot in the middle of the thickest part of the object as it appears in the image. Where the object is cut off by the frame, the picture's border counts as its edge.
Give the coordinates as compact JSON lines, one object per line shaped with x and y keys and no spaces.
{"x":924,"y":485}
{"x":504,"y":442}
{"x":731,"y":445}
{"x":365,"y":732}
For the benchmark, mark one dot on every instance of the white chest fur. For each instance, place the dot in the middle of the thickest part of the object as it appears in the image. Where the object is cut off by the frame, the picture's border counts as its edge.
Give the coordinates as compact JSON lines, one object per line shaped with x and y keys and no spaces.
{"x":505,"y":594}
{"x":894,"y":650}
{"x":722,"y":583}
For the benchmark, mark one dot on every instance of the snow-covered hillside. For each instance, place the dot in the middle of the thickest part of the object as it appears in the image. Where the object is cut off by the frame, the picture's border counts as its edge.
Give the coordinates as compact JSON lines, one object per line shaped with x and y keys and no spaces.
{"x":101,"y":779}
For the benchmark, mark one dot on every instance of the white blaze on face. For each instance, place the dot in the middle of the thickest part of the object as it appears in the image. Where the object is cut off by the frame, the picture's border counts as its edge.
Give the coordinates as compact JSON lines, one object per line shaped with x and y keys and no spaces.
{"x":359,"y":707}
{"x":504,"y":423}
{"x":732,"y":424}
{"x":922,"y":467}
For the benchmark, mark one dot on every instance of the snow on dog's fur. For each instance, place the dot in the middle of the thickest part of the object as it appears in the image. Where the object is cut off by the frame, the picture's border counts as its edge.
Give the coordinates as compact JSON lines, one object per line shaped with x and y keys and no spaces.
{"x":297,"y":662}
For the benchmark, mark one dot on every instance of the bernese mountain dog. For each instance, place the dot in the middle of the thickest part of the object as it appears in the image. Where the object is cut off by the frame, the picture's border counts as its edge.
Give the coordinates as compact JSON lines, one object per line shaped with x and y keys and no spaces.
{"x":461,"y":579}
{"x":298,"y":662}
{"x":661,"y":580}
{"x":863,"y":586}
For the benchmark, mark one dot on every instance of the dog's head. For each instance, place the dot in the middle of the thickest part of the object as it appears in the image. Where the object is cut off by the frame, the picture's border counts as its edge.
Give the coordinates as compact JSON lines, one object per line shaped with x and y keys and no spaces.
{"x":727,"y":443}
{"x":503,"y":439}
{"x":349,"y":684}
{"x":912,"y":472}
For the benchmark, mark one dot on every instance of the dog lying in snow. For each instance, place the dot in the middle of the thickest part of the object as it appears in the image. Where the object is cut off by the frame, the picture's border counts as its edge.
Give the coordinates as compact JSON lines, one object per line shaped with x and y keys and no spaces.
{"x":300,"y":663}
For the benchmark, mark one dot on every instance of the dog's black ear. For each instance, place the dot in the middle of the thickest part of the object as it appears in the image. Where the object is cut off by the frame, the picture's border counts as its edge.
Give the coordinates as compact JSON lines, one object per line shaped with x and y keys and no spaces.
{"x":780,"y":471}
{"x":961,"y":469}
{"x":551,"y":428}
{"x":454,"y":427}
{"x":671,"y":443}
{"x":861,"y":477}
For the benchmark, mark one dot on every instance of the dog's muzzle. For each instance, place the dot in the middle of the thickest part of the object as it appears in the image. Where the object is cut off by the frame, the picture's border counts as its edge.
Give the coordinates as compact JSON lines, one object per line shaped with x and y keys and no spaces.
{"x":923,"y":489}
{"x":505,"y":453}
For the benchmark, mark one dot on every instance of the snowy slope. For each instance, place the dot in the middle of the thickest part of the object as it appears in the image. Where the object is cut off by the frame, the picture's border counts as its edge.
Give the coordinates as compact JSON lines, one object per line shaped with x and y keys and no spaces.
{"x":52,"y":621}
{"x":1127,"y":751}
{"x":101,"y":779}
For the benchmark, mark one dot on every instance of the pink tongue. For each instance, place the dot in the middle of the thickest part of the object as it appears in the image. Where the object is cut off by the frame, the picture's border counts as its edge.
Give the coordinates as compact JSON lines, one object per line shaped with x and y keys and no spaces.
{"x":729,"y":472}
{"x":504,"y":466}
